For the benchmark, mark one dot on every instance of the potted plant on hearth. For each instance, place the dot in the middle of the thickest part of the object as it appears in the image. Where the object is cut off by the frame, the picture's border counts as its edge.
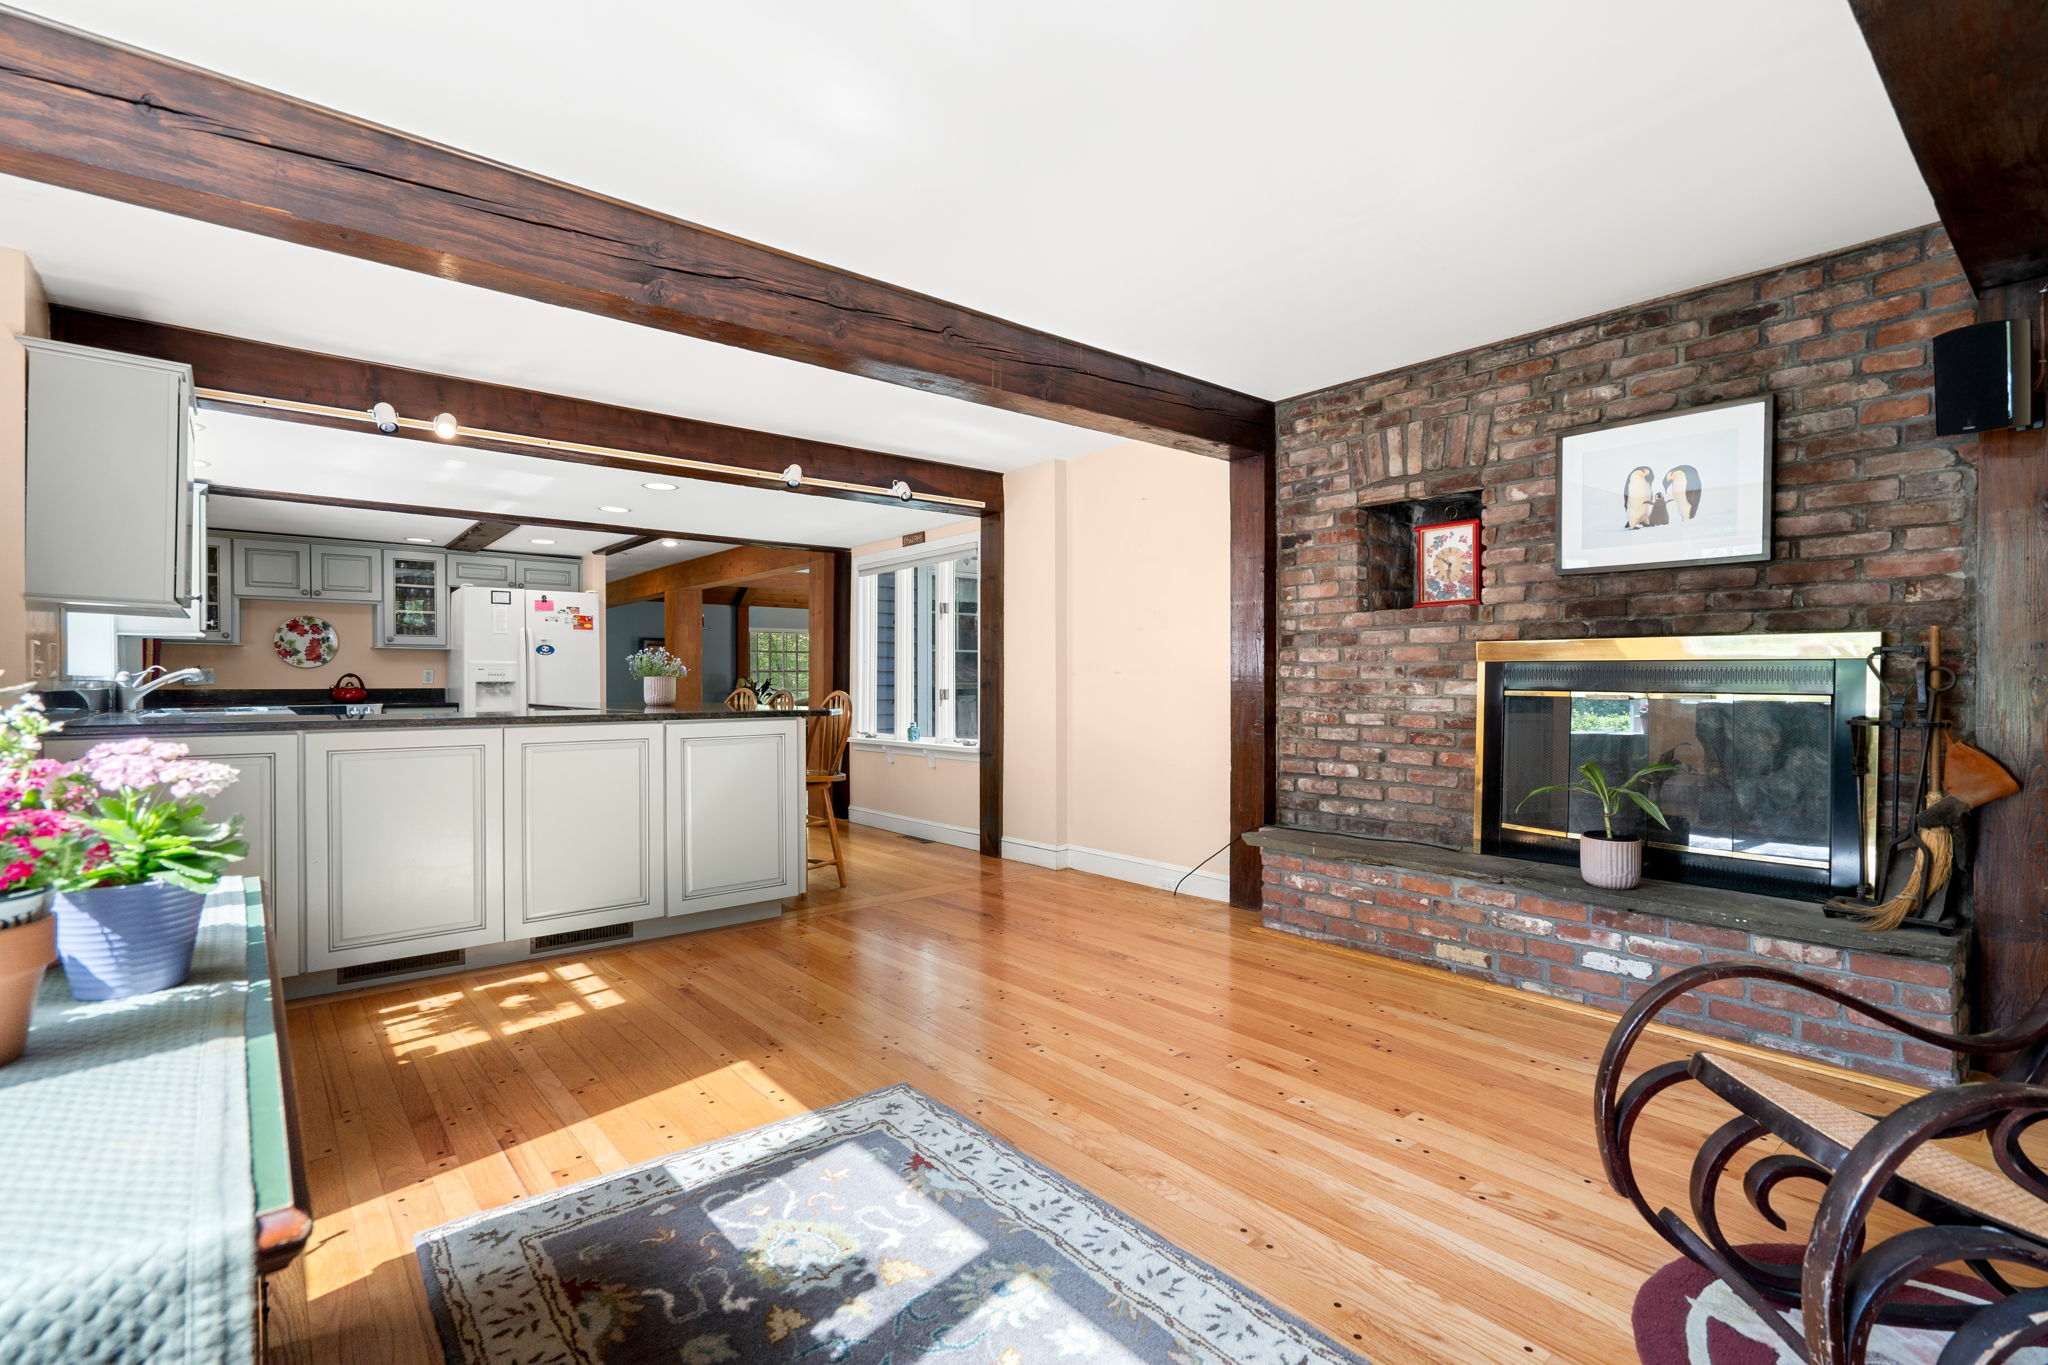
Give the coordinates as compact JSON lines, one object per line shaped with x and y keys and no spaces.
{"x":1607,"y":859}
{"x":136,"y":865}
{"x":657,"y":670}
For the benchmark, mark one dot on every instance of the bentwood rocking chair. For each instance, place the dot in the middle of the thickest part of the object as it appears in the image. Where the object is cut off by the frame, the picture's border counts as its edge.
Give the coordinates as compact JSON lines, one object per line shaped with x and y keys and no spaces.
{"x":1973,"y":1215}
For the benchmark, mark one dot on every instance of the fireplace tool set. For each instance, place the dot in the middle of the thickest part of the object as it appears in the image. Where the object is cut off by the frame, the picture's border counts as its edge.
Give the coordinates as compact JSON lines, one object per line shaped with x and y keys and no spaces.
{"x":1919,"y":811}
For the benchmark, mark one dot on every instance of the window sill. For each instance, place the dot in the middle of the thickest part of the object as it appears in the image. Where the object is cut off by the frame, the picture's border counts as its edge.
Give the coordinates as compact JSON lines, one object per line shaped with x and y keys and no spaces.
{"x":931,"y":749}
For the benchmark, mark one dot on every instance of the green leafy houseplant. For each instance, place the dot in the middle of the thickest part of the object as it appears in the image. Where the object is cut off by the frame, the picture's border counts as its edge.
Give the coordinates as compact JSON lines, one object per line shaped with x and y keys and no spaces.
{"x":1609,"y":795}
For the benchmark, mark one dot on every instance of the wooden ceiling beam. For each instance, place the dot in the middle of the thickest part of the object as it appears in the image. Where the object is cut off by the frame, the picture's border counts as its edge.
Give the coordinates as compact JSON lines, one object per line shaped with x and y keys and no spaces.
{"x":629,"y":543}
{"x":481,"y":535}
{"x":728,"y":569}
{"x":261,"y":370}
{"x":365,"y":504}
{"x":1966,"y":82}
{"x":89,"y":114}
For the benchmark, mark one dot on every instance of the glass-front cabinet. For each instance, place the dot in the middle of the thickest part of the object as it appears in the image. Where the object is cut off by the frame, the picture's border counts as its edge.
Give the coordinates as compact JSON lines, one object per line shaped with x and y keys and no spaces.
{"x":414,"y":610}
{"x":221,"y":625}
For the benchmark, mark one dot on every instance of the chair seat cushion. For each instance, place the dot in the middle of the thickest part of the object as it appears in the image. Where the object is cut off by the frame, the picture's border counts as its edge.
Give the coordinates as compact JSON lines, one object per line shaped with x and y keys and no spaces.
{"x":1800,"y":1117}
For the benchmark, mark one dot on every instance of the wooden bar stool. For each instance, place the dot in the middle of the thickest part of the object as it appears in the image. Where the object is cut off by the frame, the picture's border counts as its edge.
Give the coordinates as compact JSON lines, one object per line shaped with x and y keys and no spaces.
{"x":826,"y":764}
{"x":742,"y":699}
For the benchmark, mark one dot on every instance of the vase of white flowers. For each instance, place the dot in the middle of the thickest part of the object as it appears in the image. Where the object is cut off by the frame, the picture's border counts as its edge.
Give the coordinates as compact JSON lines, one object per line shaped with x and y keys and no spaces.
{"x":657,"y":670}
{"x":139,"y":863}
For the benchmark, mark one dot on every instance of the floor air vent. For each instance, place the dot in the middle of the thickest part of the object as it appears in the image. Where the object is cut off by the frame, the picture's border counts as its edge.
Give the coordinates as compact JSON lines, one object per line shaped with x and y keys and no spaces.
{"x":396,"y":965}
{"x":602,"y":934}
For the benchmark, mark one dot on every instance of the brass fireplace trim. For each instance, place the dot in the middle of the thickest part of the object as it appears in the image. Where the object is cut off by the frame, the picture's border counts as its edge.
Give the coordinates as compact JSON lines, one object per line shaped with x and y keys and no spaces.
{"x":1845,"y":644}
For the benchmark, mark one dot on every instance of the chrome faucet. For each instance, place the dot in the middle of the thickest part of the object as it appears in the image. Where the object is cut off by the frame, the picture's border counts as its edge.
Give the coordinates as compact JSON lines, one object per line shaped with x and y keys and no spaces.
{"x":133,"y":687}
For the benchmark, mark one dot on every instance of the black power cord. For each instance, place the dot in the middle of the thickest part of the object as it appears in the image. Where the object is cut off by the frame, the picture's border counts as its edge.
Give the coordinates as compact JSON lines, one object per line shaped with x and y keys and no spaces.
{"x":1378,"y":839}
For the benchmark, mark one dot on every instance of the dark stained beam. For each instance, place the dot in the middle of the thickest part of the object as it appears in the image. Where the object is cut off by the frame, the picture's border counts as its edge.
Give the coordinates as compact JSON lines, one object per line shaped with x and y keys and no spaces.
{"x":629,"y":543}
{"x":1966,"y":81}
{"x":368,"y":505}
{"x":989,"y":666}
{"x":729,"y":568}
{"x":481,"y":535}
{"x":82,"y":112}
{"x":262,"y":370}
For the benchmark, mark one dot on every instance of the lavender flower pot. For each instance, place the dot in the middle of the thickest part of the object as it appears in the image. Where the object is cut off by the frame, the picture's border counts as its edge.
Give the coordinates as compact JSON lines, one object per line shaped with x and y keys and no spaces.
{"x":1616,"y":864}
{"x":118,"y":941}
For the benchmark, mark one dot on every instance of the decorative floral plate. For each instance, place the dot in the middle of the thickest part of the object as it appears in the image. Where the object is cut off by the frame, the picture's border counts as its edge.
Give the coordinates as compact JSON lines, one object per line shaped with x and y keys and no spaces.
{"x":306,"y":642}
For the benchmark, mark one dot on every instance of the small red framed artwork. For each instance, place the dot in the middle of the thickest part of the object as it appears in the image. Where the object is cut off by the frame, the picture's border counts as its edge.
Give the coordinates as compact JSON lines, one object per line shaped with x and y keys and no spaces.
{"x":1447,"y":563}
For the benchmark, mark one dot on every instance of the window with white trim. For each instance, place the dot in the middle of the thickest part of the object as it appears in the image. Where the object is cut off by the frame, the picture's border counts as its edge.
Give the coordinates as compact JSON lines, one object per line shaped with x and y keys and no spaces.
{"x":917,"y":644}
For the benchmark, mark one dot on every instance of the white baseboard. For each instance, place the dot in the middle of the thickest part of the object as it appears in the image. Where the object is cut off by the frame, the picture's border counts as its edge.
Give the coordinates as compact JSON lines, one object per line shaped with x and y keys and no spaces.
{"x":959,"y":836}
{"x":1124,"y":867}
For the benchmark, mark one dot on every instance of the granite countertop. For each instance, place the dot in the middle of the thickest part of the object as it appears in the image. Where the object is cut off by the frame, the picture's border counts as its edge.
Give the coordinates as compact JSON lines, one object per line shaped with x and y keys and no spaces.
{"x":241,"y":721}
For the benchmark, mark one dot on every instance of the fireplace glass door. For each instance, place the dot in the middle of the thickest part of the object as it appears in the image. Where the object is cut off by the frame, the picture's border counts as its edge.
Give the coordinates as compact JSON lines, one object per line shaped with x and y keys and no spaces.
{"x":1758,"y":788}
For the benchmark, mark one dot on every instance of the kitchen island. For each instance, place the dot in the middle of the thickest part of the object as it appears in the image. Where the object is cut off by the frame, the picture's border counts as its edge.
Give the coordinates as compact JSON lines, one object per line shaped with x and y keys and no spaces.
{"x":425,"y":840}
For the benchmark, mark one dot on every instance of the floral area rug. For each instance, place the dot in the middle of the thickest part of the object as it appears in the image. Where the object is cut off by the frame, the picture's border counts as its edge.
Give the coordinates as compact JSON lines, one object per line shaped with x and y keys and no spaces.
{"x":1685,"y":1316}
{"x":886,"y":1230}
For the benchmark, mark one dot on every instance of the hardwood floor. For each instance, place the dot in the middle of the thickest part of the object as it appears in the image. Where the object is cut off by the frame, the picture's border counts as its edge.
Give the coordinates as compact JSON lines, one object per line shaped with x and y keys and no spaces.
{"x":1401,"y":1157}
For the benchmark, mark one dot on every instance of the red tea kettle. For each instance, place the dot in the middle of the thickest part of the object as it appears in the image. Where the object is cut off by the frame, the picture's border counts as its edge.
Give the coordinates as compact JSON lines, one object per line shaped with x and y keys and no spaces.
{"x":349,"y":688}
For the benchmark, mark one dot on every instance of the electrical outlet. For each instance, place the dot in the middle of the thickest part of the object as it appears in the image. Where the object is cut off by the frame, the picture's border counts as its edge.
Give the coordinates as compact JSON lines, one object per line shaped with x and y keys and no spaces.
{"x":426,"y":677}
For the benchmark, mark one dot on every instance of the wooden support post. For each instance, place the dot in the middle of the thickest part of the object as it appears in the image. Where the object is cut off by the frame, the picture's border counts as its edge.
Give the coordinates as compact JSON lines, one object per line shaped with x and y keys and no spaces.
{"x":2010,"y":881}
{"x":1253,"y":554}
{"x":742,"y":635}
{"x":824,"y":622}
{"x":683,"y":627}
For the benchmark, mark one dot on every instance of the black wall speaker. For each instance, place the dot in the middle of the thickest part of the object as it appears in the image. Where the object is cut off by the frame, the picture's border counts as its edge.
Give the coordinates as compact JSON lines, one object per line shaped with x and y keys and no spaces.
{"x":1984,"y":378}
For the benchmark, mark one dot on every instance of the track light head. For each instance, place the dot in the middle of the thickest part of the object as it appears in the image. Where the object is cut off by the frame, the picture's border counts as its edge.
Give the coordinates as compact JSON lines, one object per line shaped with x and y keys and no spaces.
{"x":901,"y":490}
{"x":386,"y":418}
{"x":445,"y":426}
{"x":793,"y":476}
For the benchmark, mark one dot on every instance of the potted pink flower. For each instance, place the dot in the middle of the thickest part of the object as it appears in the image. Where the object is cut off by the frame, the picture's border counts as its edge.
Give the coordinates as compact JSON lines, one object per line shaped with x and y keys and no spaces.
{"x":39,"y":843}
{"x":139,"y":859}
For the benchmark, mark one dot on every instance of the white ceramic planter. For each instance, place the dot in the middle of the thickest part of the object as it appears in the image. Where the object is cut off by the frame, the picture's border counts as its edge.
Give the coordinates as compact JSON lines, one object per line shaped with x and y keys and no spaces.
{"x":1616,"y":864}
{"x":658,"y":691}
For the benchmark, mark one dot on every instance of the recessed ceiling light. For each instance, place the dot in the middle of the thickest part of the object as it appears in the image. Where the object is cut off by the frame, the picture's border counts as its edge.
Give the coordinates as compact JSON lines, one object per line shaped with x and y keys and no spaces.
{"x":202,"y":464}
{"x":670,"y":544}
{"x":538,"y":541}
{"x":615,"y":509}
{"x":419,"y":540}
{"x":660,"y":487}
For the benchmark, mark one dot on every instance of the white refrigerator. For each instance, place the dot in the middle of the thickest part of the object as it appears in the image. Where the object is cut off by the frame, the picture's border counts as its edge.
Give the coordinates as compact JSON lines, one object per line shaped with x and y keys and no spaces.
{"x":519,"y":647}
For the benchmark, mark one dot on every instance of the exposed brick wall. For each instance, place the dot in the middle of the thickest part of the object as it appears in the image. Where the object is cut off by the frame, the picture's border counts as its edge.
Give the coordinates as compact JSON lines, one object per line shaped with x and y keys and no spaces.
{"x":1607,"y":958}
{"x":1376,"y":703}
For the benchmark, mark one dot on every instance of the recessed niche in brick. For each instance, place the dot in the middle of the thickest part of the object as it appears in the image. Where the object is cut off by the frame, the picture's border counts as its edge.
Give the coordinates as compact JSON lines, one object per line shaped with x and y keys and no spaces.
{"x":1386,"y":579}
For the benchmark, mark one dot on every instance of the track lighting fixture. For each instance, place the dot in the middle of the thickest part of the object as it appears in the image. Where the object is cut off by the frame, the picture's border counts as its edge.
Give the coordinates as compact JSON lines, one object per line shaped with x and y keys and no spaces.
{"x":445,"y":426}
{"x":901,"y":490}
{"x":793,"y":476}
{"x":386,"y":418}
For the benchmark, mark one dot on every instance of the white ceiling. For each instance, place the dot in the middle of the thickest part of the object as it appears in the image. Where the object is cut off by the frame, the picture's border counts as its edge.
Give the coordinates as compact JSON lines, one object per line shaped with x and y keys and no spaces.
{"x":290,"y":457}
{"x":1274,"y":197}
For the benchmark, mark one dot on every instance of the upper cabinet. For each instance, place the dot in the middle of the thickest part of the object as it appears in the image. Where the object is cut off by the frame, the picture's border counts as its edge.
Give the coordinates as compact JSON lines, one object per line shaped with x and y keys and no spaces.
{"x":292,"y":570}
{"x":513,"y":571}
{"x":114,"y":523}
{"x":348,"y":573}
{"x":414,"y":613}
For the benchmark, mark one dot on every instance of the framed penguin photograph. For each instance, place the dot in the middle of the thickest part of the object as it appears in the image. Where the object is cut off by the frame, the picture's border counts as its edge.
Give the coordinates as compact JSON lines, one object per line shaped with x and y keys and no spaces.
{"x":1447,"y":563}
{"x":1679,"y":489}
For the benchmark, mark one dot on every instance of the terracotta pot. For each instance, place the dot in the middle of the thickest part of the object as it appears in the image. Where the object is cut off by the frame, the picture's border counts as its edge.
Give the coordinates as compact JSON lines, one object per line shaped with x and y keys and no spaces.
{"x":25,"y":950}
{"x":118,"y":941}
{"x":658,"y":691}
{"x":1616,"y":864}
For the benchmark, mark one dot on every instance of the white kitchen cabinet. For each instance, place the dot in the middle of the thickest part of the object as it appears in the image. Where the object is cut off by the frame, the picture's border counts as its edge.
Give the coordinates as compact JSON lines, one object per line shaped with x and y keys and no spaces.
{"x":583,"y":827}
{"x":274,"y":570}
{"x":266,"y":794}
{"x":405,"y":843}
{"x":735,"y":813}
{"x":110,"y":504}
{"x":214,"y":618}
{"x":414,"y":611}
{"x":548,"y":573}
{"x":346,"y":573}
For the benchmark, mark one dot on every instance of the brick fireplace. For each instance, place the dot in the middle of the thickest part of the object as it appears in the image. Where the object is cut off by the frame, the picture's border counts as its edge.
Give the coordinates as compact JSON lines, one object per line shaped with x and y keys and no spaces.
{"x":1379,"y":701}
